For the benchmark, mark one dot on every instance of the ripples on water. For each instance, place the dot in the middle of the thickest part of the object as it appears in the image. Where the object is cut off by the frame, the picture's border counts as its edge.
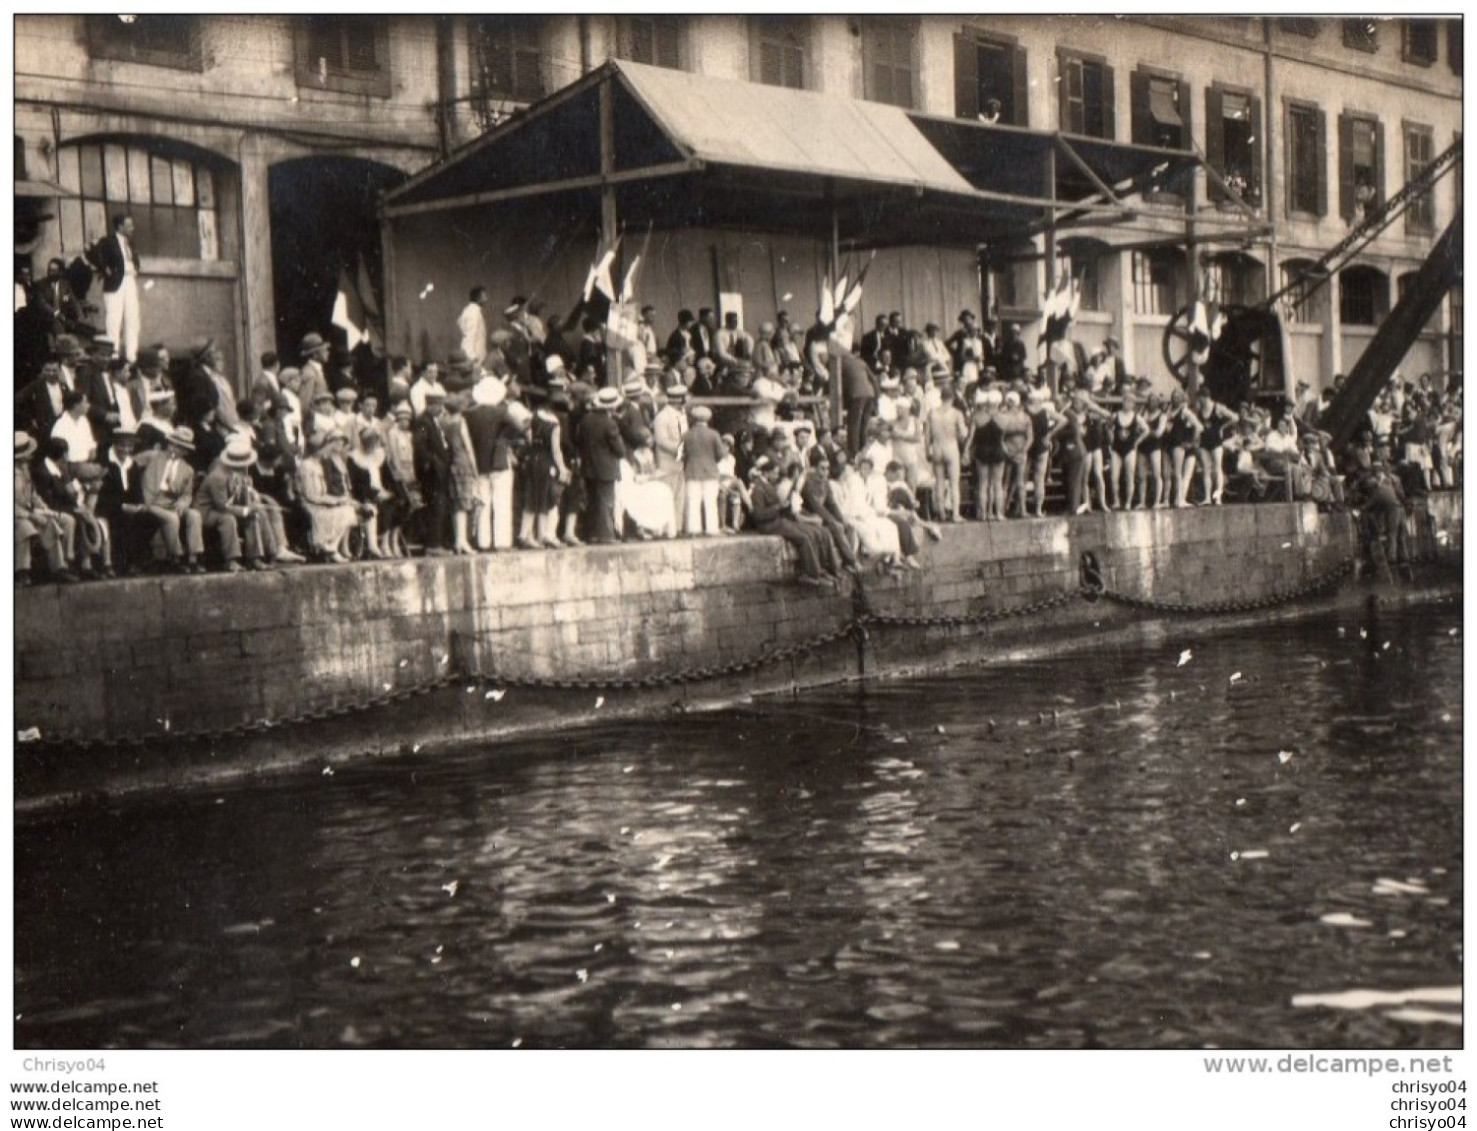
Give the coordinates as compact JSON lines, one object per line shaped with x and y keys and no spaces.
{"x":1104,"y":850}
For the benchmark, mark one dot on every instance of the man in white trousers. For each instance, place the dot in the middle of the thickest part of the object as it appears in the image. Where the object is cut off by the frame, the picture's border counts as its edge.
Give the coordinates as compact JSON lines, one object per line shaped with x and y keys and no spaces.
{"x":117,"y":259}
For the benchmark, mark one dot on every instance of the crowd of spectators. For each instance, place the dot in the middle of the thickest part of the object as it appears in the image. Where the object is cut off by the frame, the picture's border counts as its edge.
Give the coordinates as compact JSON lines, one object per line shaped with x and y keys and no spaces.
{"x":522,"y":440}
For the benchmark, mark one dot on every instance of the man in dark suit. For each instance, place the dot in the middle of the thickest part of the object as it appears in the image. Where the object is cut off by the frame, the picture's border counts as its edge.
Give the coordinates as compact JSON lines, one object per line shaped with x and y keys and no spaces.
{"x":433,"y":471}
{"x":601,"y":451}
{"x":874,"y":341}
{"x":495,"y":437}
{"x":120,"y":500}
{"x":57,"y":301}
{"x":858,"y":396}
{"x":679,"y":345}
{"x":114,"y":255}
{"x":110,"y":406}
{"x":704,"y":333}
{"x":38,"y":405}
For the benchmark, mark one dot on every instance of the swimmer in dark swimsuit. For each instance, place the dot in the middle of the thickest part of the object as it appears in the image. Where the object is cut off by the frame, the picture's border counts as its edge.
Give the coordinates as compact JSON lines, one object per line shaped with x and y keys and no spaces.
{"x":1126,"y":428}
{"x":1016,"y":436}
{"x":1214,"y":419}
{"x":1182,"y":435}
{"x":1148,"y":488}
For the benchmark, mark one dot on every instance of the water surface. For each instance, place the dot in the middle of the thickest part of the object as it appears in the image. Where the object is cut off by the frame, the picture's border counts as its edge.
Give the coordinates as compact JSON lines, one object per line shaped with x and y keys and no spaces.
{"x":1139,"y":847}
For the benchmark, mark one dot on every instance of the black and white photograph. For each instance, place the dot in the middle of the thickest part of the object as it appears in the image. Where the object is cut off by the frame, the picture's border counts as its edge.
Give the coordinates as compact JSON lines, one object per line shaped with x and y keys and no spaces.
{"x":555,"y":533}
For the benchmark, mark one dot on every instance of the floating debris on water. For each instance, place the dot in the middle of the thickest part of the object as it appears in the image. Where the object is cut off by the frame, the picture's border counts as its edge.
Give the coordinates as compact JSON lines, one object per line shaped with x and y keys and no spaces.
{"x":946,"y":944}
{"x":496,"y":695}
{"x":354,"y":962}
{"x":1396,"y":933}
{"x":30,"y":734}
{"x":1235,"y":677}
{"x":939,"y":729}
{"x":1387,"y":886}
{"x":677,"y":1007}
{"x":427,"y":289}
{"x":517,"y":1041}
{"x":328,"y":771}
{"x":1240,"y":801}
{"x":1363,"y":634}
{"x":1251,"y":854}
{"x":1185,"y":657}
{"x":1201,"y":954}
{"x":1342,"y":919}
{"x":404,"y":663}
{"x":582,"y":975}
{"x":1284,"y":756}
{"x":627,"y":769}
{"x":1294,"y":826}
{"x":1365,"y":999}
{"x":450,"y":889}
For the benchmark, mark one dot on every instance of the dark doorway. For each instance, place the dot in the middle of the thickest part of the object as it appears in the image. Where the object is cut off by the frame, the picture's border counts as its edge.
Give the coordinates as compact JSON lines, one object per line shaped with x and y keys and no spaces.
{"x":324,"y":228}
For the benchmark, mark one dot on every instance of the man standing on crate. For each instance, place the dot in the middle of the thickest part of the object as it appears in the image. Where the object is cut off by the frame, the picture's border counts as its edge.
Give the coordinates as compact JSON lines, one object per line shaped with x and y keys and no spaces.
{"x":114,"y":255}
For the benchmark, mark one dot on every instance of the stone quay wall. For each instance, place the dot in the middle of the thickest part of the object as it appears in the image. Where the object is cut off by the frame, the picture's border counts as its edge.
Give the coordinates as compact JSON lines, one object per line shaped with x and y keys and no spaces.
{"x":137,"y":664}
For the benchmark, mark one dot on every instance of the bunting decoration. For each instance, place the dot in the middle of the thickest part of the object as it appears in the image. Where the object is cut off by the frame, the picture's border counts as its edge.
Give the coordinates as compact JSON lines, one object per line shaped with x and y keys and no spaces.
{"x":1057,"y":314}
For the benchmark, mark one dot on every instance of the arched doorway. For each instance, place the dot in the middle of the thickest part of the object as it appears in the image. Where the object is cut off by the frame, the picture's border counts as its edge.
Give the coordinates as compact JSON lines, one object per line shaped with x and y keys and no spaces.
{"x":324,"y":228}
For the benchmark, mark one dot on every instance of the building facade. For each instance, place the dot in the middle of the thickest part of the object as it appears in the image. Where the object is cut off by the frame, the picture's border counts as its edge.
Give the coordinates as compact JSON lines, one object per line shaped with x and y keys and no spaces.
{"x":249,"y":150}
{"x":1310,"y":121}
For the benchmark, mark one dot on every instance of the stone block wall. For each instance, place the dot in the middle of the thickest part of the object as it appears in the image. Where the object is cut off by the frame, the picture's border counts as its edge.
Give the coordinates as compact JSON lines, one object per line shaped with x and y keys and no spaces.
{"x":186,"y":653}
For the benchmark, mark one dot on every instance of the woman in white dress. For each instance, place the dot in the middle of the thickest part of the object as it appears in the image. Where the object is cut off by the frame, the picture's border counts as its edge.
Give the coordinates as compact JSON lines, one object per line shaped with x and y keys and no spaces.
{"x":647,"y":496}
{"x":878,"y":535}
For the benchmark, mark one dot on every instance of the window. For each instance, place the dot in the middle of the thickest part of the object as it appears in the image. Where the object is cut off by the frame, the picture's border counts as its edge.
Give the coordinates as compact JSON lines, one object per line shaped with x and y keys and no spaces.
{"x":779,"y":47}
{"x":1161,"y":110}
{"x":1454,"y":46}
{"x":1082,"y":260}
{"x":1085,"y":95}
{"x":887,"y":56}
{"x":1233,"y":143}
{"x":1305,"y":300}
{"x":1307,"y":183}
{"x":1233,"y":278}
{"x":1299,"y":26}
{"x":656,"y":40}
{"x":1361,"y":165}
{"x":349,"y":54}
{"x":157,"y":41}
{"x":1364,"y":296}
{"x":1418,"y":42}
{"x":1362,"y":35}
{"x":506,"y":61}
{"x":990,"y":79}
{"x":1158,"y":278}
{"x":172,"y":199}
{"x":1420,"y":217}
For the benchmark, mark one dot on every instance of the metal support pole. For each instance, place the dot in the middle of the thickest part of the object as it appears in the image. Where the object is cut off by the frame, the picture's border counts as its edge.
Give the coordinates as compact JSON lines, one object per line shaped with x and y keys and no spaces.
{"x":834,"y":270}
{"x":608,"y":218}
{"x":1051,"y":280}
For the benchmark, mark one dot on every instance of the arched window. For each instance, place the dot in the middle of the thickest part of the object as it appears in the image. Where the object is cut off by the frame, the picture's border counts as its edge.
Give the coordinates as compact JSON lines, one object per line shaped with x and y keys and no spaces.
{"x":169,"y":192}
{"x":1364,"y":295}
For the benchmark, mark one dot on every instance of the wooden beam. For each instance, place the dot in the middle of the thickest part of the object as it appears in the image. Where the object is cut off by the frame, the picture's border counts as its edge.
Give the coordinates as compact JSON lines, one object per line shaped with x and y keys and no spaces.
{"x":546,"y":188}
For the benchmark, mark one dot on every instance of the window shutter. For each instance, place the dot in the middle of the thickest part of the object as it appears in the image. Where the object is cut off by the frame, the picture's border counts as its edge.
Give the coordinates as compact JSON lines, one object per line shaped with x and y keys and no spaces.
{"x":1138,"y":86}
{"x":1379,"y":163}
{"x":1215,"y":139}
{"x":1109,"y":91}
{"x":1020,"y":87}
{"x":668,"y":43}
{"x":1346,"y":166}
{"x":1258,"y":145}
{"x":359,"y":52}
{"x":966,"y":78}
{"x":1322,"y":163}
{"x":1187,"y":113}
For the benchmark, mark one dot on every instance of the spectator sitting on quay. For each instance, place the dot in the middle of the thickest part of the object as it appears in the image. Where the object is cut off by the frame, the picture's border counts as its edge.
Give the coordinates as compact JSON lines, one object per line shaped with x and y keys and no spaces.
{"x":773,"y":504}
{"x":57,"y":481}
{"x":878,"y":495}
{"x":36,"y":523}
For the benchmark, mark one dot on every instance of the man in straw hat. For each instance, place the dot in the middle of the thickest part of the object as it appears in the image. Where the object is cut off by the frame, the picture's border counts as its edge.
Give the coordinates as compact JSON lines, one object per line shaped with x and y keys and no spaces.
{"x":601,"y":451}
{"x":228,"y":505}
{"x":168,"y":490}
{"x":702,"y":452}
{"x":668,"y":430}
{"x":37,"y":523}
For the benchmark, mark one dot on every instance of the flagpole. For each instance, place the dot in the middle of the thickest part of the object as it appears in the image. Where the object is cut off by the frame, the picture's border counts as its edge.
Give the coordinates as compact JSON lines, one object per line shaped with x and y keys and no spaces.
{"x":1051,"y":373}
